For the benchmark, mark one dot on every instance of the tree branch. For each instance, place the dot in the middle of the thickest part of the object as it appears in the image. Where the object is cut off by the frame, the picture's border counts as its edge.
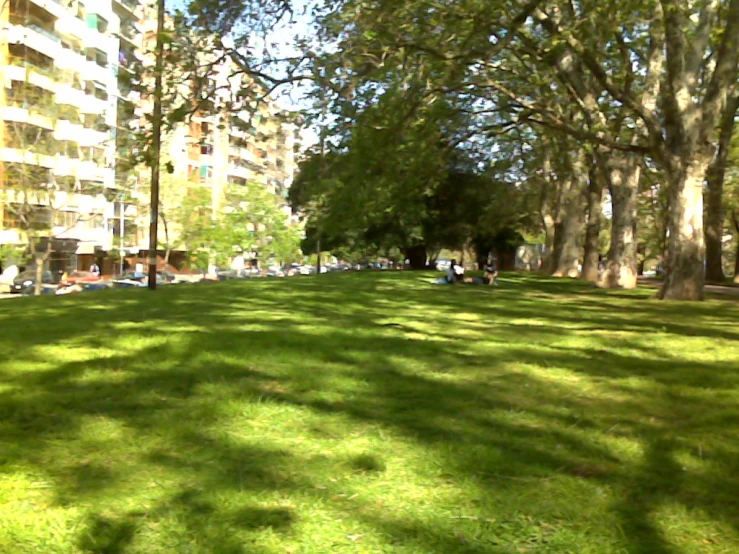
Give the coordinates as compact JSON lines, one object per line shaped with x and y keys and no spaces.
{"x":725,"y":74}
{"x":619,"y":94}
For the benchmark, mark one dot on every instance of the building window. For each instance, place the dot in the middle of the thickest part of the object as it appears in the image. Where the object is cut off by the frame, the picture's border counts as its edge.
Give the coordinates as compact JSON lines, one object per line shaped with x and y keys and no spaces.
{"x":69,"y":113}
{"x":20,"y":176}
{"x":39,"y":217}
{"x":95,"y":221}
{"x":206,"y":173}
{"x":29,"y":137}
{"x":65,"y":183}
{"x":70,"y":150}
{"x":90,"y":187}
{"x":31,"y":97}
{"x":97,"y":56}
{"x":80,"y":12}
{"x":11,"y":219}
{"x":66,"y":219}
{"x":95,"y":21}
{"x":95,"y":122}
{"x":98,"y":90}
{"x":24,"y":56}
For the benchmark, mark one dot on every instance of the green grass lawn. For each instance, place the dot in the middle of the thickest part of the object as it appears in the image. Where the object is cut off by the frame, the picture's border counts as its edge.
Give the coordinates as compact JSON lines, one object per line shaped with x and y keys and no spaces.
{"x":369,"y":413}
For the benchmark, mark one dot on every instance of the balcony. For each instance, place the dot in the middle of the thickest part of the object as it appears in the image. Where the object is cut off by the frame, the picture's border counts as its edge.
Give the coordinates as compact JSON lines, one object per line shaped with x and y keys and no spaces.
{"x":10,"y":236}
{"x":40,"y":77}
{"x":66,"y":94}
{"x":36,"y":38}
{"x":20,"y":114}
{"x":44,"y":32}
{"x":54,"y":7}
{"x":20,"y":156}
{"x":83,"y":234}
{"x":66,"y":130}
{"x":129,"y":34}
{"x":91,"y":71}
{"x":82,"y":169}
{"x":129,"y":6}
{"x":238,"y":171}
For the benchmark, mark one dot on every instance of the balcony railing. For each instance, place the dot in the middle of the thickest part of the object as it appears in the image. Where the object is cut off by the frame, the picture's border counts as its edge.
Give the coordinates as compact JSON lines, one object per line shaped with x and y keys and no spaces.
{"x":130,"y":4}
{"x":46,"y":71}
{"x":48,"y":34}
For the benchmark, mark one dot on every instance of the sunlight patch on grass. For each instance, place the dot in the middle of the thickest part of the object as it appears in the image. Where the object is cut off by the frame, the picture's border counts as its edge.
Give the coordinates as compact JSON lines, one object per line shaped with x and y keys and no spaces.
{"x":692,"y":529}
{"x":370,"y":413}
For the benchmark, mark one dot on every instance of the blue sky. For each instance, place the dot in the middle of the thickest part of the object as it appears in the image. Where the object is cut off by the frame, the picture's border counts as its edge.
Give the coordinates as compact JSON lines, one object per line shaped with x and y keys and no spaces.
{"x":283,"y":36}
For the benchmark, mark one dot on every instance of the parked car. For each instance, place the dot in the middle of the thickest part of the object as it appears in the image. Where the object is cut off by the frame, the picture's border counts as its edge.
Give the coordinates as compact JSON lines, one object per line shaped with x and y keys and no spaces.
{"x":45,"y":289}
{"x":166,"y":277}
{"x":130,"y":279}
{"x":27,"y":279}
{"x":99,"y":285}
{"x":138,"y":279}
{"x":228,"y":274}
{"x":443,"y":265}
{"x":82,"y":277}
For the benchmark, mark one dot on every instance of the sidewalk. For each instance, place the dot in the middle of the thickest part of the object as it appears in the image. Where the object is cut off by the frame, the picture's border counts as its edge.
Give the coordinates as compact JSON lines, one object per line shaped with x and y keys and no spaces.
{"x":724,"y":290}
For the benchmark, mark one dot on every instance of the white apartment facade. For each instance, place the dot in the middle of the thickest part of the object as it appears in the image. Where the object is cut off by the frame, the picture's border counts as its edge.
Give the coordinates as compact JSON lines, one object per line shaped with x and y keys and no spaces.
{"x":60,"y":63}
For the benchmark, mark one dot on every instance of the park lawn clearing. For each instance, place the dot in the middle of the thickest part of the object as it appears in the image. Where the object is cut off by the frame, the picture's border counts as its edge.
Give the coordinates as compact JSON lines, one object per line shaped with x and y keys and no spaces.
{"x":369,"y":413}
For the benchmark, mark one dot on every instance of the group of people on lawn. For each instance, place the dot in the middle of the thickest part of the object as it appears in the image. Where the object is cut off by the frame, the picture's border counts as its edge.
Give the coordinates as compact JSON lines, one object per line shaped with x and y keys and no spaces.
{"x":455,"y":274}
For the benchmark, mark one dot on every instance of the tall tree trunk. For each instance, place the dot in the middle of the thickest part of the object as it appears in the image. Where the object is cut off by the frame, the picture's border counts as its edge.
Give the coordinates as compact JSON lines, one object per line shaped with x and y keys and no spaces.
{"x":624,"y":172}
{"x":735,"y":221}
{"x":417,"y":256}
{"x":39,"y":258}
{"x":573,"y":220}
{"x":547,"y":262}
{"x":168,"y":249}
{"x":548,"y":209}
{"x":592,"y":231}
{"x":714,"y":194}
{"x":39,"y":261}
{"x":686,"y":247}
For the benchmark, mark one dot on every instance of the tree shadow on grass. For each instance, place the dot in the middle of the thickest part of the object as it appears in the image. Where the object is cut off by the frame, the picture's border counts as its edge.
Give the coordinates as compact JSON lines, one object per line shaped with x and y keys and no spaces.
{"x":107,"y":536}
{"x":101,"y":426}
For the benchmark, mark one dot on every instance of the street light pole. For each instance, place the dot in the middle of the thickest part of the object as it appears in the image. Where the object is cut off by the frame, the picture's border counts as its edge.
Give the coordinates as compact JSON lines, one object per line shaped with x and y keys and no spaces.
{"x":156,"y":146}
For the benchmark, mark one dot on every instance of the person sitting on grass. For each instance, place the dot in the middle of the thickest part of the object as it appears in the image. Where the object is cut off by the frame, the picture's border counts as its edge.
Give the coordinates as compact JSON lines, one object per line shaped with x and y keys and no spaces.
{"x":490,"y":276}
{"x":458,"y":271}
{"x":452,"y":275}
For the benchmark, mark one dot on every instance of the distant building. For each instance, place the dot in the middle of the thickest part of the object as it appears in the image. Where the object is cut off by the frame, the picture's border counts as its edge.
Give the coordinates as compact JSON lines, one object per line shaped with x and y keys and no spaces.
{"x":59,"y":79}
{"x":251,"y":142}
{"x":63,"y":77}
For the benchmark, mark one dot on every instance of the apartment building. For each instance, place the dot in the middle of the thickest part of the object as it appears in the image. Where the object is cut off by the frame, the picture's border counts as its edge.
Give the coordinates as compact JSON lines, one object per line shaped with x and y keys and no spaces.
{"x":247,"y":142}
{"x":221,"y":149}
{"x":63,"y":120}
